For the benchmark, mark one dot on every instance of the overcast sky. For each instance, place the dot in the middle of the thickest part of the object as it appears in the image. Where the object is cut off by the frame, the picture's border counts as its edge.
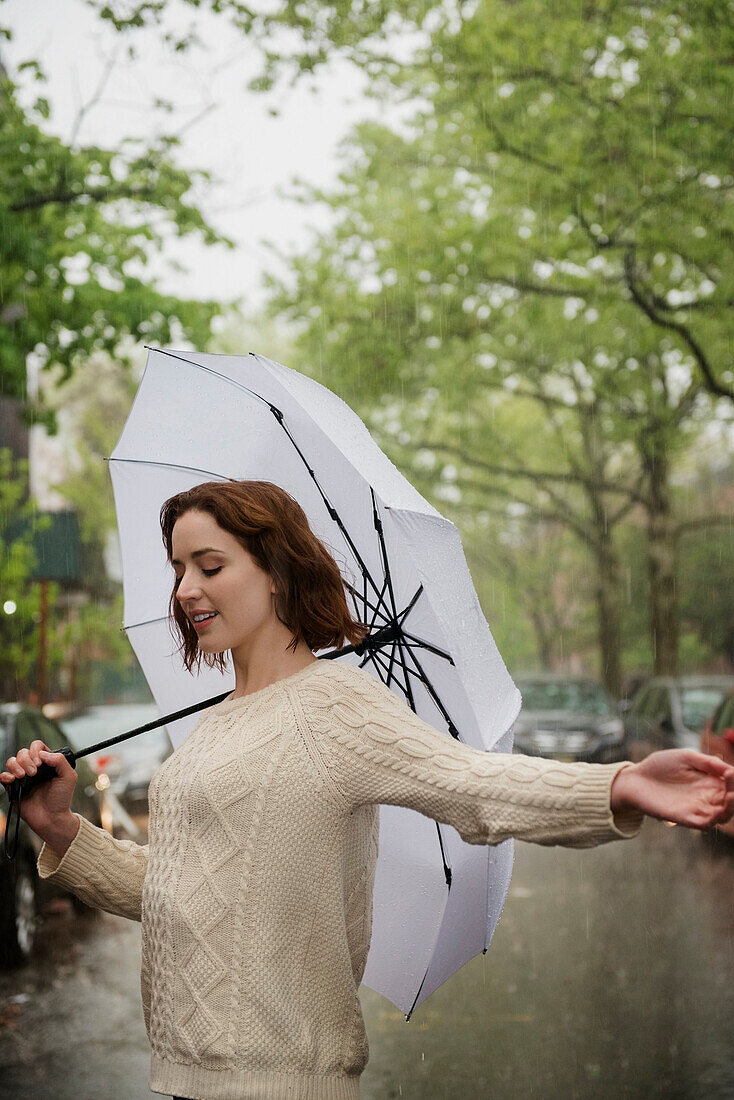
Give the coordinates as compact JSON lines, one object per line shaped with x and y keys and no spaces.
{"x":250,"y":152}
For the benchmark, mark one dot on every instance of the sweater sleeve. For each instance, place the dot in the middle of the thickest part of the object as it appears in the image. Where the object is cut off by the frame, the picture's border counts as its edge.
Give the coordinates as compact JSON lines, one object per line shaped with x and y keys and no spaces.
{"x":105,"y":873}
{"x":377,"y":750}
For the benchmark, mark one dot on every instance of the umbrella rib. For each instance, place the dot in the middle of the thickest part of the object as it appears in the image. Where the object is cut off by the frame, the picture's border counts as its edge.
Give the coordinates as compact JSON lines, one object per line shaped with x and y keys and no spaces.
{"x":390,"y":675}
{"x":392,"y":662}
{"x":408,"y":688}
{"x":407,"y":610}
{"x":418,"y":643}
{"x":385,"y":563}
{"x":210,"y":370}
{"x":409,"y":672}
{"x":279,"y":416}
{"x":146,"y":622}
{"x":171,"y":466}
{"x":357,"y":596}
{"x":434,"y":695}
{"x":382,"y":606}
{"x":406,"y":634}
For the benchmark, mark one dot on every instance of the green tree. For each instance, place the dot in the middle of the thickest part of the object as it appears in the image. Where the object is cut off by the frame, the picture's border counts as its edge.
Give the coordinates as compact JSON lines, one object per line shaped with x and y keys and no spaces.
{"x":557,"y":217}
{"x":80,"y":224}
{"x":19,"y":597}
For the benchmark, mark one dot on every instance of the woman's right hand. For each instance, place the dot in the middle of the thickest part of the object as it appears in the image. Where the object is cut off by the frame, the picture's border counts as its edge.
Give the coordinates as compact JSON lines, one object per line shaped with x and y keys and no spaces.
{"x":49,"y":803}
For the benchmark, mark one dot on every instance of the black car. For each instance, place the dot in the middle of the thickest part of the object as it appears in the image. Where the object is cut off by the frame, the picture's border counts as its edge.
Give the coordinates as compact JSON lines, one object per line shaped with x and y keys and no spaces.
{"x":668,"y":712}
{"x":567,"y":718}
{"x":23,"y":896}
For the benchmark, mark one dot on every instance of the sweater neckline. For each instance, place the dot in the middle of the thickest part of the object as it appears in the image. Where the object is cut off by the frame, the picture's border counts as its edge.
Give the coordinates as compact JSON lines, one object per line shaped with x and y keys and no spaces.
{"x":230,"y":704}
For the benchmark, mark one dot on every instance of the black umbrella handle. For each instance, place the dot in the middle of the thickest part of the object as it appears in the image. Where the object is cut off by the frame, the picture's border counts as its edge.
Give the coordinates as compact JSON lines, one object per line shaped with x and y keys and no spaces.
{"x":45,"y":772}
{"x":23,"y":786}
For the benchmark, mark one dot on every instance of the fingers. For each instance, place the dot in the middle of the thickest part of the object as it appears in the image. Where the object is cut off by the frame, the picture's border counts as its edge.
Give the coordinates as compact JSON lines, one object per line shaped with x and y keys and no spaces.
{"x":15,"y":770}
{"x":28,"y":761}
{"x":712,"y":765}
{"x":57,"y":761}
{"x":728,"y":812}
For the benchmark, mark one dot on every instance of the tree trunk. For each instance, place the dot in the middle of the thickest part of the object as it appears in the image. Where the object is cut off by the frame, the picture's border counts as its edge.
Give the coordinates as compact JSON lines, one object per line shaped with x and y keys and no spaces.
{"x":607,"y":609}
{"x":662,"y":569}
{"x":543,"y":640}
{"x":601,"y":545}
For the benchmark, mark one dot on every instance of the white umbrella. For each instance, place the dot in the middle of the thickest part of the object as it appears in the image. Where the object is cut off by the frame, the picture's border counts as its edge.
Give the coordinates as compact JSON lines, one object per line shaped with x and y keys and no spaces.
{"x":200,"y":418}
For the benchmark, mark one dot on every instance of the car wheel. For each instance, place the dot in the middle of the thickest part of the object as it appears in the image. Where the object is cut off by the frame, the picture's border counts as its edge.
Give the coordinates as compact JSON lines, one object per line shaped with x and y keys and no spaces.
{"x":18,"y":916}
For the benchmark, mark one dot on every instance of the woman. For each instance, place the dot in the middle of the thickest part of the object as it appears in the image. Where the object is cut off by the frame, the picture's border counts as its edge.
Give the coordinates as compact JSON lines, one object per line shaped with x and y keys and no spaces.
{"x":255,"y":891}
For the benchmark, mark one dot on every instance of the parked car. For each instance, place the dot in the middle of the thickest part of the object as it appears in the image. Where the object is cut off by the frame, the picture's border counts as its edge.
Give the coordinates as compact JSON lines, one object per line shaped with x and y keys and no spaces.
{"x":567,"y":718}
{"x":129,"y":765}
{"x":668,"y":712}
{"x":717,"y":739}
{"x":23,"y":895}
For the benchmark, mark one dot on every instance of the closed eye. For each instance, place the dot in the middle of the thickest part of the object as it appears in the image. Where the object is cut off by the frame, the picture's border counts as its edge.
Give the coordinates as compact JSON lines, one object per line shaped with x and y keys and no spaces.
{"x":206,"y":572}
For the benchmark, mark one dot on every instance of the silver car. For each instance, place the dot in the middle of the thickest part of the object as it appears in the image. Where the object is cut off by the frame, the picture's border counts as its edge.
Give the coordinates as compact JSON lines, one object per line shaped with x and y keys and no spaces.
{"x":130,"y":765}
{"x":567,"y":718}
{"x":668,"y":712}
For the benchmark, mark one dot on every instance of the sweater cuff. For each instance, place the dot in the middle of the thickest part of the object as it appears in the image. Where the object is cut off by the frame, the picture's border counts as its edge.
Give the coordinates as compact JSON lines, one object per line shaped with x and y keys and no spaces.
{"x":627,"y":822}
{"x":595,"y":801}
{"x":72,"y":869}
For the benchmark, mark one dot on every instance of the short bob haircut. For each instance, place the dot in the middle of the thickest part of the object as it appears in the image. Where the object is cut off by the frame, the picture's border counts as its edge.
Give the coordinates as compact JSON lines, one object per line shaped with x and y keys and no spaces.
{"x":269,"y":524}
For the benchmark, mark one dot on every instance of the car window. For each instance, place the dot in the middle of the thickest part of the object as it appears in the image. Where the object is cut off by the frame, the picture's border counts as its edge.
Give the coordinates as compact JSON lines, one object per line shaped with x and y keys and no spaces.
{"x":582,"y":697}
{"x":697,"y":704}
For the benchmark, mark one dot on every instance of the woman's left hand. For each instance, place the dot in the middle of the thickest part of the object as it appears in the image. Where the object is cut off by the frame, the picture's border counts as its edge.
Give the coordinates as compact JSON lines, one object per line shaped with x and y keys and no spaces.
{"x":680,"y":785}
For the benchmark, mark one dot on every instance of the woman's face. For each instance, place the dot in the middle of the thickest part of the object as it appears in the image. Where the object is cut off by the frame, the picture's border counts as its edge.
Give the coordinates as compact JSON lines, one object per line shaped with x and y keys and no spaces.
{"x":216,"y":574}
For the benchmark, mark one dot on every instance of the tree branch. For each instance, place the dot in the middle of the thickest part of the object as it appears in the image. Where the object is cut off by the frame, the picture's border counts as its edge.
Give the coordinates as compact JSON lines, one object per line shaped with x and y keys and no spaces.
{"x":533,"y":475}
{"x":98,"y":194}
{"x":688,"y":338}
{"x":702,"y":522}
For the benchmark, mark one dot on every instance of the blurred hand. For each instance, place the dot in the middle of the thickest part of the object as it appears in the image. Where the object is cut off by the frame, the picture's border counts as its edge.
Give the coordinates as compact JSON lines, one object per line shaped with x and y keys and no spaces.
{"x":677,"y":785}
{"x":49,"y":803}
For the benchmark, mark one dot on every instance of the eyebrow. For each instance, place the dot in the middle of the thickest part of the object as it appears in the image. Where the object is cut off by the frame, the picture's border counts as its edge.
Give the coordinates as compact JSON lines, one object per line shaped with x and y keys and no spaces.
{"x":199,"y":553}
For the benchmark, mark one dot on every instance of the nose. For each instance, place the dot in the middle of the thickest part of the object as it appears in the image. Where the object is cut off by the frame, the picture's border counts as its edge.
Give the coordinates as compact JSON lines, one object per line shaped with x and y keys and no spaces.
{"x":187,"y":589}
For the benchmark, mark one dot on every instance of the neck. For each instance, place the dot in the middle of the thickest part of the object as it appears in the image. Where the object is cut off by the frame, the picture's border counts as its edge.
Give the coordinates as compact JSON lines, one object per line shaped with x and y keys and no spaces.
{"x":258,"y":669}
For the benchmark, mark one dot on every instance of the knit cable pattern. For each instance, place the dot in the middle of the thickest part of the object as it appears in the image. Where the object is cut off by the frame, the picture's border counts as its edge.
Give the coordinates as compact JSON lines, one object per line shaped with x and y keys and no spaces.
{"x":255,"y":891}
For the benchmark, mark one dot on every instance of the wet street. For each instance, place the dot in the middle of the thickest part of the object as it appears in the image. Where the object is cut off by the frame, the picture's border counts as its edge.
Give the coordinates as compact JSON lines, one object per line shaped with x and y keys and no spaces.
{"x":611,"y":975}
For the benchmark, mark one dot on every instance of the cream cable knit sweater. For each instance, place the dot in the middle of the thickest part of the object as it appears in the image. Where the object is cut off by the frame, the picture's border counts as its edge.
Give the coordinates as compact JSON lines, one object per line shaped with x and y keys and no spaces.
{"x":255,"y":890}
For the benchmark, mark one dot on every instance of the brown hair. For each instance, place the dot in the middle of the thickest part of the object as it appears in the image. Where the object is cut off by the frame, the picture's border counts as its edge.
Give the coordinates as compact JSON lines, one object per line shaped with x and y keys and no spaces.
{"x":273,"y":527}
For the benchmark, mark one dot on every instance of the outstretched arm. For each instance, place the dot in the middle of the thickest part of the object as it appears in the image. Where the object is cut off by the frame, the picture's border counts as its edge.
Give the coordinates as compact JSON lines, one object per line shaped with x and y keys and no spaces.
{"x":376,"y":750}
{"x":678,"y":785}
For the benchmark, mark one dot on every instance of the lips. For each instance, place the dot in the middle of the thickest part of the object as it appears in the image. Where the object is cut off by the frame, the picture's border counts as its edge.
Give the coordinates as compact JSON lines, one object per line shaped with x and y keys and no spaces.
{"x":211,"y":615}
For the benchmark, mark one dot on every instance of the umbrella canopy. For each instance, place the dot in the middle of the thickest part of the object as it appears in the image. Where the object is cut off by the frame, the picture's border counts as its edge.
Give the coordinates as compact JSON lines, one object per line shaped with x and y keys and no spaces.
{"x":201,"y":418}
